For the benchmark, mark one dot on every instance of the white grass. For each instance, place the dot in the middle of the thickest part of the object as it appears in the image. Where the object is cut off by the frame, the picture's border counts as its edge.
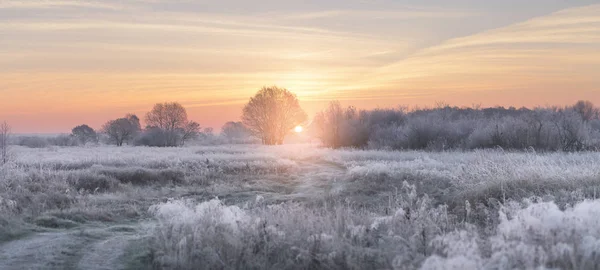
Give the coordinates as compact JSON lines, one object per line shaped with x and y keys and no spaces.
{"x":304,"y":207}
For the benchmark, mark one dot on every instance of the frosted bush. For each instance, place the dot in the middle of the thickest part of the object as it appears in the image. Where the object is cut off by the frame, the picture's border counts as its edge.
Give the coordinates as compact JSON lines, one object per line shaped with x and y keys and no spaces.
{"x":541,"y":236}
{"x":190,"y":235}
{"x":461,"y":252}
{"x":293,"y":236}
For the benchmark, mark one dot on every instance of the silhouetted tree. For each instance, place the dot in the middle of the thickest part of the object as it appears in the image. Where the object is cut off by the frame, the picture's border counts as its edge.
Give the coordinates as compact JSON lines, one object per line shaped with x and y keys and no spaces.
{"x":4,"y":142}
{"x":84,"y":134}
{"x":272,"y":113}
{"x":135,"y":121}
{"x":191,"y":131}
{"x":172,"y":119}
{"x":122,"y":129}
{"x":586,"y":110}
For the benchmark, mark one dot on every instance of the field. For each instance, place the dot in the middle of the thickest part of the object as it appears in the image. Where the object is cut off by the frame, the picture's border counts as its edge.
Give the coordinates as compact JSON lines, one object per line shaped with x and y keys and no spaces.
{"x":297,"y":207}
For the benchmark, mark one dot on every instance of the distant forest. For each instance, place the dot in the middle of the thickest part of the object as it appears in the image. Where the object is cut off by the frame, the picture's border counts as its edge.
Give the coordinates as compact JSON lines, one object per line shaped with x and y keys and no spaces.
{"x":571,"y":128}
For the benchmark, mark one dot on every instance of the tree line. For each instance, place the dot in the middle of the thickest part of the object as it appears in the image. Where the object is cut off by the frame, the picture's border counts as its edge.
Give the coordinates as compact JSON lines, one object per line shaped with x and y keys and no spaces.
{"x":570,"y":128}
{"x":267,"y":118}
{"x":167,"y":125}
{"x":273,"y":112}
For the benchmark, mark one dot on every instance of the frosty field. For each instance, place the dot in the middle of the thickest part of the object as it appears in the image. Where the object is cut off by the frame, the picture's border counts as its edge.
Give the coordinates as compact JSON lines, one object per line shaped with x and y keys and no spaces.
{"x":297,"y":207}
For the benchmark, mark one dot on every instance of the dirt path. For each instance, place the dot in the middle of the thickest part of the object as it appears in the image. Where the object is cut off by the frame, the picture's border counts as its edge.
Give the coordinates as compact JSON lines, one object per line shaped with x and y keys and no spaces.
{"x":317,"y":178}
{"x":100,"y":247}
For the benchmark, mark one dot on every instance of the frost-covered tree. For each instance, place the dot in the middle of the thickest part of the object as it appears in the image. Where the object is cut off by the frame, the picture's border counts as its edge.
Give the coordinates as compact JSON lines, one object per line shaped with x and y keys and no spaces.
{"x":84,"y":134}
{"x":272,"y":113}
{"x":571,"y":128}
{"x":586,"y":110}
{"x":189,"y":132}
{"x":121,"y":130}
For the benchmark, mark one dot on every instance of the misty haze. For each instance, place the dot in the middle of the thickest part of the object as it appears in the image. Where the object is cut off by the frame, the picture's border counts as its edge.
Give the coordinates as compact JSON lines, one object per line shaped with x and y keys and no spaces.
{"x":331,"y":134}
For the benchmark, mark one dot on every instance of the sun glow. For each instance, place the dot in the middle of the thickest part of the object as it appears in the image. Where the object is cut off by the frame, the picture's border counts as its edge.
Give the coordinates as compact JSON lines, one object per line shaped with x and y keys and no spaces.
{"x":298,"y":129}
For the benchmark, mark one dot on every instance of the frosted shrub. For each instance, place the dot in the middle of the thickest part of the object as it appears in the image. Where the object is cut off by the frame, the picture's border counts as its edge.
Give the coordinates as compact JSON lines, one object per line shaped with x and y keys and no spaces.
{"x":541,"y":236}
{"x":212,"y":235}
{"x":206,"y":234}
{"x":387,"y":137}
{"x":460,"y":249}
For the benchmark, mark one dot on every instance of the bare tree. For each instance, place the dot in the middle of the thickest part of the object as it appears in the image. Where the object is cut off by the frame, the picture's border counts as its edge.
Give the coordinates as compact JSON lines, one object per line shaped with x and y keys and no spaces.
{"x":329,"y":124}
{"x":4,"y":142}
{"x":135,"y":121}
{"x":191,"y":131}
{"x":84,"y":134}
{"x":122,"y":129}
{"x":272,"y":113}
{"x":172,"y":119}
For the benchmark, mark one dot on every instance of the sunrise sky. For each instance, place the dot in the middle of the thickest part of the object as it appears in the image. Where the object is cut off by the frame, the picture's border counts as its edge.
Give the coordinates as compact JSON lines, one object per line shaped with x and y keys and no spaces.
{"x":69,"y":62}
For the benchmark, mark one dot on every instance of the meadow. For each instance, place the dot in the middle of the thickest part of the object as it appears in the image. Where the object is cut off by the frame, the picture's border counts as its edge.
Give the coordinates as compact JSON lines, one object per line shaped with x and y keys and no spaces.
{"x":297,"y":207}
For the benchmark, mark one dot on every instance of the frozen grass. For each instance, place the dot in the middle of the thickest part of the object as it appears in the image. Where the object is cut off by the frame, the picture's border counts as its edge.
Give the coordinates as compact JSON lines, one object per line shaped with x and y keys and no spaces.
{"x":303,"y":207}
{"x":74,"y":183}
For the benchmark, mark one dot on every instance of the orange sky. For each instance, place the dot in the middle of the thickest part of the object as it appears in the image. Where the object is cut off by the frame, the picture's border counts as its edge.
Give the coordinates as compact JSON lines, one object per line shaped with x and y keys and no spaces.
{"x":68,"y":62}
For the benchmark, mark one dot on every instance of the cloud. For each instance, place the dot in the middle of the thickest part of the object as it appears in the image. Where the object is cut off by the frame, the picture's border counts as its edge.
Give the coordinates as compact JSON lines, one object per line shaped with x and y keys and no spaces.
{"x":112,"y":54}
{"x":557,"y":51}
{"x":406,"y":13}
{"x":56,"y":4}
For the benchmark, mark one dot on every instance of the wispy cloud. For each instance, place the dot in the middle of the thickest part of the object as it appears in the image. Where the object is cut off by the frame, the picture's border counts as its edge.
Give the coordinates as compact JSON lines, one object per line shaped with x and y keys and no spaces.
{"x":406,"y":13}
{"x":115,"y":54}
{"x":552,"y":52}
{"x":55,"y":4}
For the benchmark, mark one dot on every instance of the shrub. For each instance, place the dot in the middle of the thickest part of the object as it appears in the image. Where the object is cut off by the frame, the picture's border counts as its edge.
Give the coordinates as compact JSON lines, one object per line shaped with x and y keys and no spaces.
{"x":212,"y":235}
{"x":540,"y":236}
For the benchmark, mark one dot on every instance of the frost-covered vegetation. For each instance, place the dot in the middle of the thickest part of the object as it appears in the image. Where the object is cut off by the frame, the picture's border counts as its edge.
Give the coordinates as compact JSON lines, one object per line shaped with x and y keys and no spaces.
{"x":571,"y":128}
{"x":303,"y":207}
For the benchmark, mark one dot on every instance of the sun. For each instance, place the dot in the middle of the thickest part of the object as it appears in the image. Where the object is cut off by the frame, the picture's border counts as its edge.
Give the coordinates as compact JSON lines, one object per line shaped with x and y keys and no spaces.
{"x":298,"y":129}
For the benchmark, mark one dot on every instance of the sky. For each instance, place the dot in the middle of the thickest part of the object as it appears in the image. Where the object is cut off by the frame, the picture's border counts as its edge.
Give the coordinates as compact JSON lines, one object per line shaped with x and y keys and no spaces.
{"x":70,"y":62}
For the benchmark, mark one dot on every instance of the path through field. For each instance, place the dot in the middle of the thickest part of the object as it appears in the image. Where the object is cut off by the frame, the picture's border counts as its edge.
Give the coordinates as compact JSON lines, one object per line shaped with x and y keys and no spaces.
{"x":86,"y":247}
{"x":103,"y":246}
{"x":317,"y":179}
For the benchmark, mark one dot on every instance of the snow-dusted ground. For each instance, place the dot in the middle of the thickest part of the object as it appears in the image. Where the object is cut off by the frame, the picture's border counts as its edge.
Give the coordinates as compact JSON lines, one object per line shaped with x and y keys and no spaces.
{"x":296,"y":207}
